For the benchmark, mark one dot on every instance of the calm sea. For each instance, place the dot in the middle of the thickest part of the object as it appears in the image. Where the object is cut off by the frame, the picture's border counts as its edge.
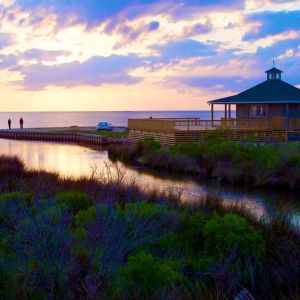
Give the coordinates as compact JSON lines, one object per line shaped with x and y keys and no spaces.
{"x":117,"y":118}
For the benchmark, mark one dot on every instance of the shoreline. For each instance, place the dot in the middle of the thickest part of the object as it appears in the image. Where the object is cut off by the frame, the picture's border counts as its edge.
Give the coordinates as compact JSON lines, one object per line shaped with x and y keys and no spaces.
{"x":60,"y":128}
{"x":65,"y":134}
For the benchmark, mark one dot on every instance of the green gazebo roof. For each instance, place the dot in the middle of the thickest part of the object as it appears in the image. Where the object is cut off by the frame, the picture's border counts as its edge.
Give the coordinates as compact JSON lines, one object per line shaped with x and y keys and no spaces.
{"x":269,"y":91}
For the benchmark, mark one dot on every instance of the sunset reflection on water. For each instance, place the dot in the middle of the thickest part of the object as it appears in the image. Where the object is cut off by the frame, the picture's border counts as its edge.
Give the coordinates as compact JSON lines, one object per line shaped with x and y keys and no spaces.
{"x":69,"y":160}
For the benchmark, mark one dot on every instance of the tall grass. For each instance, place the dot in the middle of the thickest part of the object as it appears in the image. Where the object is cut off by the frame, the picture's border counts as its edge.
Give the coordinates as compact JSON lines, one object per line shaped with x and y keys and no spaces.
{"x":96,"y":238}
{"x":243,"y":164}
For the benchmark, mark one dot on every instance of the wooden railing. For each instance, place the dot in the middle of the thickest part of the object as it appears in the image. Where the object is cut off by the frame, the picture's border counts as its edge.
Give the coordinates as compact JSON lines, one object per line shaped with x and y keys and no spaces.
{"x":190,"y":124}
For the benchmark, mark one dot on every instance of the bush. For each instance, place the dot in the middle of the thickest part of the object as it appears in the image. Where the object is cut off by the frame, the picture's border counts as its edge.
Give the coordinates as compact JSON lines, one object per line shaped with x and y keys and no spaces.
{"x":74,"y":200}
{"x":125,"y":153}
{"x":145,"y":276}
{"x":144,"y":210}
{"x":189,"y":232}
{"x":11,"y":166}
{"x":191,"y":149}
{"x":83,"y":217}
{"x":230,"y":232}
{"x":16,"y":196}
{"x":148,"y":144}
{"x":145,"y":245}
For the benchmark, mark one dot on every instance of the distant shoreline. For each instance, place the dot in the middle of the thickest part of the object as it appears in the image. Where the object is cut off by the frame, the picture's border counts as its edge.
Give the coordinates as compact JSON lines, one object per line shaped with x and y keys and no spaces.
{"x":36,"y":120}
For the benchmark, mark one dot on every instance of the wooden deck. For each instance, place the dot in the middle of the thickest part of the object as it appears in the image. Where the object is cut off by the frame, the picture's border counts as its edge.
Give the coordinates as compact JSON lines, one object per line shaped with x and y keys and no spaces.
{"x":172,"y":131}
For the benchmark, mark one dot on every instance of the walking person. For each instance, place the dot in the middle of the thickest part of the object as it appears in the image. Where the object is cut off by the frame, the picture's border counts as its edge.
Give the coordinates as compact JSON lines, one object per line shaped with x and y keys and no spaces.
{"x":9,"y":123}
{"x":21,"y":123}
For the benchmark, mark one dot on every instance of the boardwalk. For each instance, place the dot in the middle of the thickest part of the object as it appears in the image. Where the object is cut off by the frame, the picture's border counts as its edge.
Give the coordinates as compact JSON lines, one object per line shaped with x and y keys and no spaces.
{"x":44,"y":135}
{"x":173,"y":131}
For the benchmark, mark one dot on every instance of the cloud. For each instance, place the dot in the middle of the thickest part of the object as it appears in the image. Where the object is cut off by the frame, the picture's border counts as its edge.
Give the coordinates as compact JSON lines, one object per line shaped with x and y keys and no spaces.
{"x":8,"y":61}
{"x":154,"y":25}
{"x":5,"y":40}
{"x":290,"y":64}
{"x":272,"y":23}
{"x":220,"y":83}
{"x":95,"y":72}
{"x":93,"y":12}
{"x":194,"y":7}
{"x":90,"y":12}
{"x":198,"y":29}
{"x":130,"y":33}
{"x":44,"y":55}
{"x":194,"y":44}
{"x":184,"y":49}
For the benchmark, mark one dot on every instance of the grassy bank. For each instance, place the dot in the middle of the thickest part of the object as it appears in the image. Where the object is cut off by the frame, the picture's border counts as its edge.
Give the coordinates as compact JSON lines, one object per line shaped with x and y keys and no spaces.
{"x":111,"y":134}
{"x":96,"y":238}
{"x":226,"y":162}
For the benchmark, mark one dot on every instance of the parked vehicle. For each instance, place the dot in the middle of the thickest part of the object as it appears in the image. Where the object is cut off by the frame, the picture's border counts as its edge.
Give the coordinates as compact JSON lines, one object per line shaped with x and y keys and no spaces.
{"x":104,"y":126}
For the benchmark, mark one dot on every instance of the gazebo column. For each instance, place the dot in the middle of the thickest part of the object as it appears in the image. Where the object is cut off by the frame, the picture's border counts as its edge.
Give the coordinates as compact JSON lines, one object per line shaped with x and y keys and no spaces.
{"x":225,"y":111}
{"x":212,"y":114}
{"x":229,"y":111}
{"x":287,"y":114}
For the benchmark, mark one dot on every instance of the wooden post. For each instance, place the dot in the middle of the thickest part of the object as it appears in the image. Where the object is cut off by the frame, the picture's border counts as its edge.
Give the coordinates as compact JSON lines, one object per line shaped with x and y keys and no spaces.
{"x":225,"y":111}
{"x":229,"y":111}
{"x":287,"y":110}
{"x":212,"y":115}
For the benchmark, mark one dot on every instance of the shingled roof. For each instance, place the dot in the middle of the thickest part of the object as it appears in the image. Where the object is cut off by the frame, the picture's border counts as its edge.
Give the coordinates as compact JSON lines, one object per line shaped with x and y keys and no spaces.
{"x":269,"y":91}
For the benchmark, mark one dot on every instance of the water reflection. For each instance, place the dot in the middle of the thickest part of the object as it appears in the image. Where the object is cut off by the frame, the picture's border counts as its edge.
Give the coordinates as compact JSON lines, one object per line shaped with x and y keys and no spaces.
{"x":73,"y":160}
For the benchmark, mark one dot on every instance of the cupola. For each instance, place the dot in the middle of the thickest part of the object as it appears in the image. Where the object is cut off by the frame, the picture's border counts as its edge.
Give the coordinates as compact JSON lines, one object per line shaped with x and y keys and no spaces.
{"x":274,"y":74}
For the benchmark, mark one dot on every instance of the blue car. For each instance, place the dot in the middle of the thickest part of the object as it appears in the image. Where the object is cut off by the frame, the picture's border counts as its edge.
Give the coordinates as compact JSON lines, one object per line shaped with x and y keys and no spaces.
{"x":104,"y":126}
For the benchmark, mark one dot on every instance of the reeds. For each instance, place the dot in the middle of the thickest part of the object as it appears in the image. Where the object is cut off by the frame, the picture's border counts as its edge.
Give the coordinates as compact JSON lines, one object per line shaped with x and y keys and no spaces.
{"x":250,"y":165}
{"x":97,"y":238}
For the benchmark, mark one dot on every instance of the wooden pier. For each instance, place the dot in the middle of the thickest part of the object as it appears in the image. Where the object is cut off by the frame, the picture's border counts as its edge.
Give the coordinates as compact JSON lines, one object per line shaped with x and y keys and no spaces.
{"x":173,"y":131}
{"x":76,"y":138}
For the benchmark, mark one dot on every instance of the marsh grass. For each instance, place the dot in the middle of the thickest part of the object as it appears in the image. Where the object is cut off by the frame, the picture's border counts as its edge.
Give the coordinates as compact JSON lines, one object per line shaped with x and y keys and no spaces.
{"x":111,"y":134}
{"x":242,"y":164}
{"x":98,"y":238}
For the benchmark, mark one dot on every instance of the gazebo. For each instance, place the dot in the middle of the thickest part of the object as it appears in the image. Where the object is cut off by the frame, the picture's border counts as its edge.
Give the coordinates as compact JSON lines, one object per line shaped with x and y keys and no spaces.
{"x":269,"y":112}
{"x":274,"y":100}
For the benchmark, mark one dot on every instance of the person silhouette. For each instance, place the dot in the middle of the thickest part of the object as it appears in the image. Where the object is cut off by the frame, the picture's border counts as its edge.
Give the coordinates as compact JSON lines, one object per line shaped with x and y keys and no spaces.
{"x":9,"y":123}
{"x":21,"y":123}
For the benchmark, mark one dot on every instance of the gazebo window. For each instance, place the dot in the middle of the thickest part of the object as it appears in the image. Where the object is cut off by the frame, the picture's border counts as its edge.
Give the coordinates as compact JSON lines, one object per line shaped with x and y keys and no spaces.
{"x":257,"y":111}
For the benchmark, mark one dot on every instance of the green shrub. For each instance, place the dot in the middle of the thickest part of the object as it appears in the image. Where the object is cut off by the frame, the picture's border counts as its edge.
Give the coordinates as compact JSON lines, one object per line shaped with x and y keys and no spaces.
{"x":143,"y":209}
{"x":74,"y":200}
{"x":191,"y":149}
{"x":144,"y":276}
{"x":83,"y":217}
{"x":231,"y":232}
{"x":216,"y":135}
{"x":27,"y":197}
{"x":148,"y":144}
{"x":20,"y":198}
{"x":125,"y":153}
{"x":189,"y":232}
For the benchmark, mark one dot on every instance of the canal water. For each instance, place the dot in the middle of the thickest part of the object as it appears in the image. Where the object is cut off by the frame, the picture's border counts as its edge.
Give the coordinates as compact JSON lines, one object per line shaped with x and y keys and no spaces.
{"x":70,"y":160}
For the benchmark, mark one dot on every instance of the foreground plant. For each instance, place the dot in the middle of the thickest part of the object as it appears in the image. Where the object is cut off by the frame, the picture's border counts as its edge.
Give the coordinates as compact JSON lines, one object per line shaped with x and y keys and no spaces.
{"x":89,"y":239}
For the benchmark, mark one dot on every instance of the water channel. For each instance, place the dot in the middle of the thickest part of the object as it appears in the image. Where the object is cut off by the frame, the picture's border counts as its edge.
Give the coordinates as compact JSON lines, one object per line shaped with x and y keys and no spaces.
{"x":73,"y":160}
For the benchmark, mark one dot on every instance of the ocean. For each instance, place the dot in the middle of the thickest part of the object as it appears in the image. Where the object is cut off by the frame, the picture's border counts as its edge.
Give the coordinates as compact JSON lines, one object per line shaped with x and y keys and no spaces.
{"x":117,"y":118}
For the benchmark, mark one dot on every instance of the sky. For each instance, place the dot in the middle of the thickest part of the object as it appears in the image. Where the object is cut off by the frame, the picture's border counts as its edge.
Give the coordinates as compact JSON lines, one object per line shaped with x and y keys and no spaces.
{"x":88,"y":55}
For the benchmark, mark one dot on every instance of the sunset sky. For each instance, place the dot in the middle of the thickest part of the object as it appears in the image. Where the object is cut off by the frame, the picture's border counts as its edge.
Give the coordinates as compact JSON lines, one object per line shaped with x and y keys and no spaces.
{"x":141,"y":54}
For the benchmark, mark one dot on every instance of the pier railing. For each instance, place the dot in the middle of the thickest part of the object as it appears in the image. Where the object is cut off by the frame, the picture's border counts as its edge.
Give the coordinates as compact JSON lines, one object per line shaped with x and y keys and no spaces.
{"x":192,"y":124}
